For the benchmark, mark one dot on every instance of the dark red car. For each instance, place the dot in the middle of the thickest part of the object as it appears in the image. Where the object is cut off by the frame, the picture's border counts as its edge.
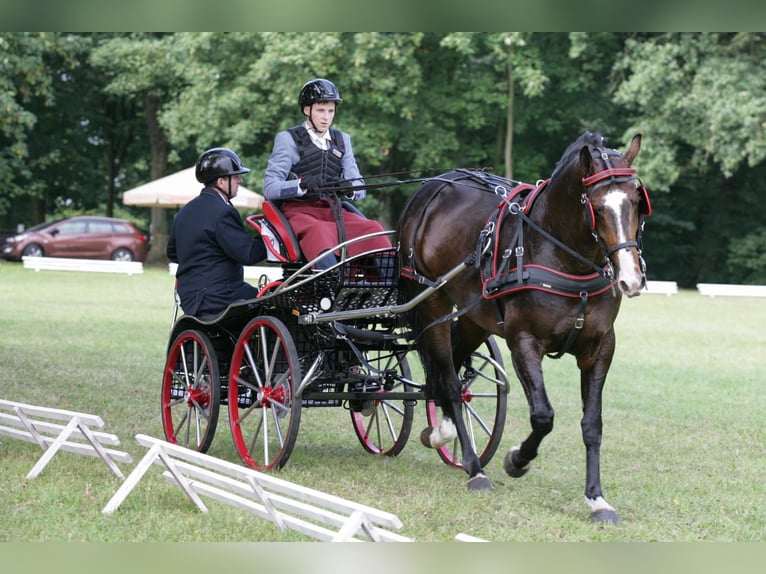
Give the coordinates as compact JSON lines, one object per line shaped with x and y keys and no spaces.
{"x":81,"y":237}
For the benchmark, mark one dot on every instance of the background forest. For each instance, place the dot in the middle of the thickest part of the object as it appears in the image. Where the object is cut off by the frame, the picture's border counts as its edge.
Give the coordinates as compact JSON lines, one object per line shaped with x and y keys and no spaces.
{"x":86,"y":116}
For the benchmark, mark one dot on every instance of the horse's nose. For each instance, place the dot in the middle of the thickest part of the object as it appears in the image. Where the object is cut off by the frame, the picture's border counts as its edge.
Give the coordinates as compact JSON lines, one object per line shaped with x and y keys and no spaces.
{"x":630,"y":277}
{"x":632,"y":286}
{"x":627,"y":290}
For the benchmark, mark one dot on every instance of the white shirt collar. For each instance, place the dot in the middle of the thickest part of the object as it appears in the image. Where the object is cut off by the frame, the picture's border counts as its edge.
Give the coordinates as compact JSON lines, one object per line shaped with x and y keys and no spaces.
{"x":322,"y":142}
{"x":222,"y":195}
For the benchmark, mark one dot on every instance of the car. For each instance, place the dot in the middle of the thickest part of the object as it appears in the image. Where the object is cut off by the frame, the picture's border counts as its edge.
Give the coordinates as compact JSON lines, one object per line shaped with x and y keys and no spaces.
{"x":80,"y":237}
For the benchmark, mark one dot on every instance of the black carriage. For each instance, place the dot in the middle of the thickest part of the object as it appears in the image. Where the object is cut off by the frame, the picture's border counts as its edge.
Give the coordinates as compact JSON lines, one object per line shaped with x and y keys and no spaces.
{"x":336,"y":338}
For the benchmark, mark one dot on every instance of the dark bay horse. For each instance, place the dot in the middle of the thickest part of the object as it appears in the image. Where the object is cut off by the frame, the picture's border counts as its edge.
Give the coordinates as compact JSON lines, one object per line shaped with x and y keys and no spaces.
{"x":544,"y":267}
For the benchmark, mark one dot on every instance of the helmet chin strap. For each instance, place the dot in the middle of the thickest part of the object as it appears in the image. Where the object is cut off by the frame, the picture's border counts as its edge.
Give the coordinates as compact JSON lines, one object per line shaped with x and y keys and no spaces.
{"x":228,"y":193}
{"x":311,"y":121}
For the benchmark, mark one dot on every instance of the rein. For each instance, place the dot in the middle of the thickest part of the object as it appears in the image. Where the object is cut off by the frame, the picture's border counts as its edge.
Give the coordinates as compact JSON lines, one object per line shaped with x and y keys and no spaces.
{"x":342,"y":184}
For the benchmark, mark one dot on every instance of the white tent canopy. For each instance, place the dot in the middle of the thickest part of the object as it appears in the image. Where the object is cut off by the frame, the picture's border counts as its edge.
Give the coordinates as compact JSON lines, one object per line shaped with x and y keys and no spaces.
{"x":178,"y":189}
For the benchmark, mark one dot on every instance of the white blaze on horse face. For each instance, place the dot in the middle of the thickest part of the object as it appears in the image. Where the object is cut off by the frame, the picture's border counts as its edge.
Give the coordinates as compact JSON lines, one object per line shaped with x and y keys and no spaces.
{"x":629,"y":275}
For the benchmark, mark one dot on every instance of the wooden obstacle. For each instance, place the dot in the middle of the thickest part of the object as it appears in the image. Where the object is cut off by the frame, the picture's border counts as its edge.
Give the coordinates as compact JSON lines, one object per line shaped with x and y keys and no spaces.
{"x":290,"y":506}
{"x":44,"y":426}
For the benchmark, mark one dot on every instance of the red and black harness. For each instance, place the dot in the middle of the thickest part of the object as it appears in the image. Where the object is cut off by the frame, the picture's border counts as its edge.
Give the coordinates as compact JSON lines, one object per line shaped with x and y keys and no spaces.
{"x":493,"y":261}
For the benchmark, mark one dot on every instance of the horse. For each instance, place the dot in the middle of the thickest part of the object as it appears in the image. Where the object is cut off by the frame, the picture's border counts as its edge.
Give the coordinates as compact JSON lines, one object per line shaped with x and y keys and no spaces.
{"x":545,"y":267}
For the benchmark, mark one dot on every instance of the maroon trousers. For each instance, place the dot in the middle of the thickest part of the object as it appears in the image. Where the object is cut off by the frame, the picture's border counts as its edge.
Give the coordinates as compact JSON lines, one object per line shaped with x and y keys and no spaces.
{"x":314,"y":225}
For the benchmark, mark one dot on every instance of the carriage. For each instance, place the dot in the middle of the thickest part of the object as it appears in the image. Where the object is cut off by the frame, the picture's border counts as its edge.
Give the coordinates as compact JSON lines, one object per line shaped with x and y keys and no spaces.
{"x":477,"y":256}
{"x":335,"y":338}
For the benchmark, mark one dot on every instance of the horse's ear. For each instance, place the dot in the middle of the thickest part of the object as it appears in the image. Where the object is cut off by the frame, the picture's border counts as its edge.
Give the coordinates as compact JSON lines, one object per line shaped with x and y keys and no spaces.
{"x":586,"y":160}
{"x":635,"y":145}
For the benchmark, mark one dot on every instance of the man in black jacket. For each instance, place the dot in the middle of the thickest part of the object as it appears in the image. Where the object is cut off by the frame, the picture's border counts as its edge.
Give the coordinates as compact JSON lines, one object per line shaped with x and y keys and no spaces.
{"x":209,"y":241}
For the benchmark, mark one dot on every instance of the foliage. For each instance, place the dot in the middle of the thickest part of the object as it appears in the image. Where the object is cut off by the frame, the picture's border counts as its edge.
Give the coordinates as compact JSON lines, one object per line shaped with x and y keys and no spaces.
{"x":699,"y":92}
{"x":86,"y":116}
{"x":33,"y":66}
{"x":747,"y":257}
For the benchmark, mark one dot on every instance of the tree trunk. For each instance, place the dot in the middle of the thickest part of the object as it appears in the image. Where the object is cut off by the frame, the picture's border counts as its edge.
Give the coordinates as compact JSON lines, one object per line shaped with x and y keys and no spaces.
{"x":509,"y":124}
{"x":158,"y":144}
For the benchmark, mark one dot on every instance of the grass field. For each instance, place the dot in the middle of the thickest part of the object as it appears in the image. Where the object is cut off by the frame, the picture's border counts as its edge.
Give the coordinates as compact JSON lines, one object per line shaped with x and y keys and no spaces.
{"x":682,"y":455}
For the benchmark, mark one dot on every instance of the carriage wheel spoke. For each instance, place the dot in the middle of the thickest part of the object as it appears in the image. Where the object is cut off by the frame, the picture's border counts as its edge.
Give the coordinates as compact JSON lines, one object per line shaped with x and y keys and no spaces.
{"x":266,"y":364}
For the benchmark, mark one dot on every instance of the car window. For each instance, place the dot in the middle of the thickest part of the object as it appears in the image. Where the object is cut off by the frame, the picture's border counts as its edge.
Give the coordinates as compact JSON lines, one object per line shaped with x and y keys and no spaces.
{"x":100,"y":227}
{"x":41,"y":226}
{"x":72,"y":227}
{"x":120,"y":228}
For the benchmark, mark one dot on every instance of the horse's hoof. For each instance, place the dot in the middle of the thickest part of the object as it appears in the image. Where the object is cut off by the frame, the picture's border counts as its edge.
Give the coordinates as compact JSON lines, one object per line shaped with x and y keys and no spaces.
{"x":510,"y":468}
{"x":479,"y":483}
{"x":605,"y":515}
{"x":425,"y":437}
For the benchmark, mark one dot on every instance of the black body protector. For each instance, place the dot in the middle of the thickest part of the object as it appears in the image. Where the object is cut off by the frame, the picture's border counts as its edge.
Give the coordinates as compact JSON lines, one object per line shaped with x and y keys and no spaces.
{"x":327,"y":164}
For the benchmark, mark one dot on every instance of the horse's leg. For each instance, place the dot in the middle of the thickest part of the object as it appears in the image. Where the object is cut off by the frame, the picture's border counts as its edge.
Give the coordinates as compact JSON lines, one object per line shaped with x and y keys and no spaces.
{"x":592,"y":378}
{"x":441,"y":378}
{"x":527,"y":362}
{"x":467,"y":336}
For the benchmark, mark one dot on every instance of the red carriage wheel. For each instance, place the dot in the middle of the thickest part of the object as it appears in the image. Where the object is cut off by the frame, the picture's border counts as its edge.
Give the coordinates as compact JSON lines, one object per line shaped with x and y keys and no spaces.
{"x":383,"y":425}
{"x":485,"y":397}
{"x":191,"y":391}
{"x":264,"y":414}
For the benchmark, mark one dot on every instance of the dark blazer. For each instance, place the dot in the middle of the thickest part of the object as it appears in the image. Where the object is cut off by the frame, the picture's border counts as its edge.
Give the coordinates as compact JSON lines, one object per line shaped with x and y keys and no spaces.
{"x":210,"y":245}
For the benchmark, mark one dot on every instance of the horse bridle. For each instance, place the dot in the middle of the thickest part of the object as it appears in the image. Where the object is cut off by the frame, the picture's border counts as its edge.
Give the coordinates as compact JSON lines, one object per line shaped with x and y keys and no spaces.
{"x":609,"y":176}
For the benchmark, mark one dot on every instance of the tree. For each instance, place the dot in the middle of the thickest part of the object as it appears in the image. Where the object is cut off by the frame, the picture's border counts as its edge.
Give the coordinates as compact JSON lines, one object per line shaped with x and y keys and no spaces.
{"x":700,"y":100}
{"x":31,"y":64}
{"x":144,"y":68}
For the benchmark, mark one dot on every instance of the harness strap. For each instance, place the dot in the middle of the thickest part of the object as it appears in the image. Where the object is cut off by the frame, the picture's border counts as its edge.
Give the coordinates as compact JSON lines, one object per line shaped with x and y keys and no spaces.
{"x":576,"y":328}
{"x":454,"y":315}
{"x":515,"y":209}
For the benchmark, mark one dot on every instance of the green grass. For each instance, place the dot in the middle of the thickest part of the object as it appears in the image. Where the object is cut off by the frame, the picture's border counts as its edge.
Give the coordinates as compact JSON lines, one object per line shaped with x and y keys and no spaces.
{"x":682,"y":455}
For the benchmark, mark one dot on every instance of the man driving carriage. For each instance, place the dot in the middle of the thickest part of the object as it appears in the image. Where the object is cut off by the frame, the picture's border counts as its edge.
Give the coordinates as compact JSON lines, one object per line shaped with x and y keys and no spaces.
{"x":209,"y":241}
{"x":315,"y":155}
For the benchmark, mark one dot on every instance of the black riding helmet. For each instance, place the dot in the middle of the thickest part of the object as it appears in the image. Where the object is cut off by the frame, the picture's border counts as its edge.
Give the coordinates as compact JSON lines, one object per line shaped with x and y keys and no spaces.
{"x":218,"y":162}
{"x":318,"y":90}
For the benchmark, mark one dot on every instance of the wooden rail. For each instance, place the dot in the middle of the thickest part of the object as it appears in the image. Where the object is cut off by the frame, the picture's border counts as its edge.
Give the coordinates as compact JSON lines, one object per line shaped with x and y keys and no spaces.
{"x":91,"y":265}
{"x":715,"y":289}
{"x":660,"y":288}
{"x":44,"y":426}
{"x":290,"y":506}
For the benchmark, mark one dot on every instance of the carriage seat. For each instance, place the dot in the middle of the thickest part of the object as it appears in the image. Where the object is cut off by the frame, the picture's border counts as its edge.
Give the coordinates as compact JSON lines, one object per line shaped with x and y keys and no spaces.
{"x":281,"y":243}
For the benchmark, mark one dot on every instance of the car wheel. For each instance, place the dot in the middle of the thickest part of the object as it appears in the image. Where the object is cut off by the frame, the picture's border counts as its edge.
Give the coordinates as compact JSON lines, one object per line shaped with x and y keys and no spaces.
{"x":122,"y":254}
{"x":32,"y":250}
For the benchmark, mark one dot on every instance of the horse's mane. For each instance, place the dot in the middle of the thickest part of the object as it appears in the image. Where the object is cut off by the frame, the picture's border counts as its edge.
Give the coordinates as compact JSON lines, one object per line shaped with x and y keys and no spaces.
{"x":572,"y":153}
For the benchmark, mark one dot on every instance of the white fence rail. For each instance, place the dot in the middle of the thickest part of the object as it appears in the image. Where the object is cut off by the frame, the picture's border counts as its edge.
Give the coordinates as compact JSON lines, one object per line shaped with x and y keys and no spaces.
{"x":289,"y":506}
{"x":661,"y":288}
{"x":97,"y":265}
{"x":273,"y":272}
{"x":727,"y":290}
{"x":43,"y":425}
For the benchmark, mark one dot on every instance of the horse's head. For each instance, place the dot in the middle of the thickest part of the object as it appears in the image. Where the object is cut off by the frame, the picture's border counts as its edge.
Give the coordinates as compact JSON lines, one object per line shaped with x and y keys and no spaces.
{"x":616,"y":204}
